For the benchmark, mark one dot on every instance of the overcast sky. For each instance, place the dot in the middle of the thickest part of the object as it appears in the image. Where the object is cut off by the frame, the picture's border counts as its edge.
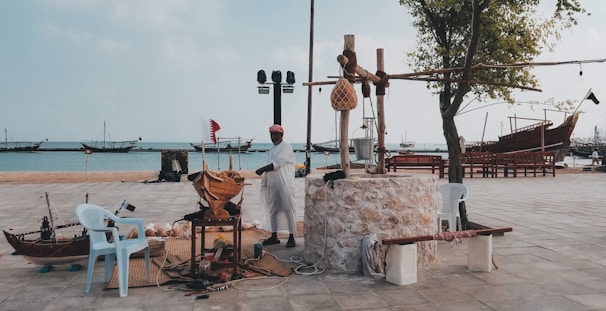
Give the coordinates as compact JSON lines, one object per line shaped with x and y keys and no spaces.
{"x":154,"y":69}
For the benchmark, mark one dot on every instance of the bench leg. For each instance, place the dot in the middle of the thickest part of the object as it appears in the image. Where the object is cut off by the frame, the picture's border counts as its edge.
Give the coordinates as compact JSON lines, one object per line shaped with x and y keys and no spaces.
{"x":479,"y":253}
{"x":401,"y":263}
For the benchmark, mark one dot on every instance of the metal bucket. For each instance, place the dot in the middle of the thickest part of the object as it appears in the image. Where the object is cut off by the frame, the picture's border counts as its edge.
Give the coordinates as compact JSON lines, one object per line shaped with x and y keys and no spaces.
{"x":363,"y":148}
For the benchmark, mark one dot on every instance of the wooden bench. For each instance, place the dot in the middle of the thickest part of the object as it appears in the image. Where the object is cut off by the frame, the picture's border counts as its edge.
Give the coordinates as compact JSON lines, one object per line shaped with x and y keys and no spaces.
{"x":525,"y":162}
{"x":472,"y":161}
{"x":416,"y":161}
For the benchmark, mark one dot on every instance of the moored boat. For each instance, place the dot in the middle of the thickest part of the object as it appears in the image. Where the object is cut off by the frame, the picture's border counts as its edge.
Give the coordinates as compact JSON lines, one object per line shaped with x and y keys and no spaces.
{"x":18,"y":146}
{"x":536,"y":137}
{"x":331,"y":146}
{"x":226,"y":145}
{"x":109,"y":146}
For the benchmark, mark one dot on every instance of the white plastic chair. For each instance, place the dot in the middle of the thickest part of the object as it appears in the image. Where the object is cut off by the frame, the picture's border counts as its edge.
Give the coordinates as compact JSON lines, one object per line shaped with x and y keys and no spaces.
{"x":452,"y":195}
{"x":92,"y":218}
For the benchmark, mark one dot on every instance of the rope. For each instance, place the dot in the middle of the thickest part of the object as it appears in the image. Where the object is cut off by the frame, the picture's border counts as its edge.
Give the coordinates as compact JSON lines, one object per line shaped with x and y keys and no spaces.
{"x":455,"y":236}
{"x":350,"y":67}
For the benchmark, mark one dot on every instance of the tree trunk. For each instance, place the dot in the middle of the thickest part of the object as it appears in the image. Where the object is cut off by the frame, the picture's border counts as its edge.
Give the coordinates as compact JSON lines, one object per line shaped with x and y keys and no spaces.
{"x":455,"y":172}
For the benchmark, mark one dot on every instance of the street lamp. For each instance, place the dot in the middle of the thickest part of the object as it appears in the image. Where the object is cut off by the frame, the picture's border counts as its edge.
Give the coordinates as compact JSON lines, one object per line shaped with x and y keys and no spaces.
{"x":276,"y":78}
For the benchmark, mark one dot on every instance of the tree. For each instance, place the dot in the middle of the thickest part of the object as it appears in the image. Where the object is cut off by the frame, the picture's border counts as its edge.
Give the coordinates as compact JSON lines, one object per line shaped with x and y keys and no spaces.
{"x":459,"y":35}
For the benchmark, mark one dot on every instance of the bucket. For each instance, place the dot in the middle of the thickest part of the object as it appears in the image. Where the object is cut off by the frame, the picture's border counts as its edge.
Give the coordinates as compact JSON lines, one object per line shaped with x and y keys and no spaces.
{"x":363,"y":148}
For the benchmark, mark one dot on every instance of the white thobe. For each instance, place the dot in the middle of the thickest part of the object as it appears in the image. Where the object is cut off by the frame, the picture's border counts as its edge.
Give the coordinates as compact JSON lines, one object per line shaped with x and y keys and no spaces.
{"x":278,"y":190}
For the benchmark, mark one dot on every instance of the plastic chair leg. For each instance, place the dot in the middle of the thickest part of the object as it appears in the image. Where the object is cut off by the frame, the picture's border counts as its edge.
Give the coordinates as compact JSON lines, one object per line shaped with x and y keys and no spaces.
{"x":92,"y":258}
{"x":123,"y":272}
{"x":110,"y":260}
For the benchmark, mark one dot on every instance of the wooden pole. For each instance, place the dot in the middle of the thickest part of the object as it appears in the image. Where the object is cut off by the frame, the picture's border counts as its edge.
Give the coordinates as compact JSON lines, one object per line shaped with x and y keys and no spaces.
{"x":408,"y":240}
{"x":349,"y":44}
{"x":381,"y":118}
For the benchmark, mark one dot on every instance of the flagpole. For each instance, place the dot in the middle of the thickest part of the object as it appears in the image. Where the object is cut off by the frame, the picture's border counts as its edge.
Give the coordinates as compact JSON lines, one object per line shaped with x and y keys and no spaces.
{"x":582,"y":100}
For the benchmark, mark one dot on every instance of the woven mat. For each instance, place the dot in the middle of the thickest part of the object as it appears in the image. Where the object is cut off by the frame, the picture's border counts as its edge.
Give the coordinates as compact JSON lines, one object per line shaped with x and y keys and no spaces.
{"x":180,"y":249}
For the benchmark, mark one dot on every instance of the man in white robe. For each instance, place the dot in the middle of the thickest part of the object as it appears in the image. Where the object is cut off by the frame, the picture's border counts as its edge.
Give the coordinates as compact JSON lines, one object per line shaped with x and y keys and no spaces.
{"x":278,"y":188}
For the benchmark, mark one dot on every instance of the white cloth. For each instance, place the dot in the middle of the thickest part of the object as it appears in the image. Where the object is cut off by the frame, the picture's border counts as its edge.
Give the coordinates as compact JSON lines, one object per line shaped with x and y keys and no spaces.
{"x":278,"y":190}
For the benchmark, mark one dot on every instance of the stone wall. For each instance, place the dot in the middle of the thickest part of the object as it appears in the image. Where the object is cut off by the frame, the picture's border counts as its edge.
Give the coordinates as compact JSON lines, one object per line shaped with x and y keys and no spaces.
{"x":389,"y":205}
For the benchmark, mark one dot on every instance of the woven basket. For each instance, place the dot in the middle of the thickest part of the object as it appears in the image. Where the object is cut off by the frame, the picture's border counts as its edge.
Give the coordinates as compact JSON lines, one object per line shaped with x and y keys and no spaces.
{"x":343,"y":96}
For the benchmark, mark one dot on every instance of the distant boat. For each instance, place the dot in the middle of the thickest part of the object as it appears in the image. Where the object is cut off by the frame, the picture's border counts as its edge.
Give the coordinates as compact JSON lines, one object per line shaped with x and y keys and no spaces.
{"x":226,"y":145}
{"x":585,"y":147}
{"x":331,"y":146}
{"x":18,"y":146}
{"x":109,"y":146}
{"x":536,"y":137}
{"x":406,"y":144}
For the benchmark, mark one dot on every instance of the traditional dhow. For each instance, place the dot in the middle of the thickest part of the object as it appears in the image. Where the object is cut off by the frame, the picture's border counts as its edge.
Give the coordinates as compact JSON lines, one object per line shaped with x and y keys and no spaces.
{"x":18,"y":146}
{"x":226,"y":145}
{"x":536,"y":137}
{"x":109,"y":146}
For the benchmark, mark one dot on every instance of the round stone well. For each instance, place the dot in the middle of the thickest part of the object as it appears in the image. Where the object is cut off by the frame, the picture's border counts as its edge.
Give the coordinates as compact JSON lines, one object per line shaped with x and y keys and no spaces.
{"x":339,"y":214}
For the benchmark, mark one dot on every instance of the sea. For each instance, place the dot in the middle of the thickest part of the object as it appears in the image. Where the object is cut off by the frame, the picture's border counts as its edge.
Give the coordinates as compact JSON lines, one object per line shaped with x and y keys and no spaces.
{"x":146,"y":156}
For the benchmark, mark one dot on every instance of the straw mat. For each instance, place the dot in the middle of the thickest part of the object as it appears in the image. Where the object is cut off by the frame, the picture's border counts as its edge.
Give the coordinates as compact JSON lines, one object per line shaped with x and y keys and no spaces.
{"x":179,"y":251}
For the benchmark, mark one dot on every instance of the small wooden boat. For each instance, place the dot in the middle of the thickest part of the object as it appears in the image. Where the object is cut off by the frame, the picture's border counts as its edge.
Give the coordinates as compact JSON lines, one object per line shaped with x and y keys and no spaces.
{"x":48,"y":252}
{"x":226,"y":145}
{"x":218,"y":188}
{"x":48,"y":249}
{"x":331,"y":146}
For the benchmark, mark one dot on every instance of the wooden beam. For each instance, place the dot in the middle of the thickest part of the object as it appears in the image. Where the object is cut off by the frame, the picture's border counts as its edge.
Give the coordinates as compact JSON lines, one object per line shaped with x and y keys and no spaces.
{"x":349,"y":44}
{"x":409,"y":240}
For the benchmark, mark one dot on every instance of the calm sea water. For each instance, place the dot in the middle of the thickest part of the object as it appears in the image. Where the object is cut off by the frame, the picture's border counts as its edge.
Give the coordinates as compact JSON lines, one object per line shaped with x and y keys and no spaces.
{"x":140,"y":159}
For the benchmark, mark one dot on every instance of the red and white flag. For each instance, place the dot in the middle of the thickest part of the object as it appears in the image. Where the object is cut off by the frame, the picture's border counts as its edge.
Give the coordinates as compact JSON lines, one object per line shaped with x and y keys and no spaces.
{"x":209,"y":130}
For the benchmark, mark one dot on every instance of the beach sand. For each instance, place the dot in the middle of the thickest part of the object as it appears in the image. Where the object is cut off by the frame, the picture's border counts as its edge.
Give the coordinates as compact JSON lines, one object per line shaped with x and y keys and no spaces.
{"x":138,"y":176}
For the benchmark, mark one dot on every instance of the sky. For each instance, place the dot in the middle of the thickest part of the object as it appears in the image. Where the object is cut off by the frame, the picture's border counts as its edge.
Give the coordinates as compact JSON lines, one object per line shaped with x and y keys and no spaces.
{"x":155,"y":69}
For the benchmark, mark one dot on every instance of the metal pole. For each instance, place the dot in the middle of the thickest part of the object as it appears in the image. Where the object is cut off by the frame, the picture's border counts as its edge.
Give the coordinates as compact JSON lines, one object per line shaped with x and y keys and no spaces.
{"x":277,"y":102}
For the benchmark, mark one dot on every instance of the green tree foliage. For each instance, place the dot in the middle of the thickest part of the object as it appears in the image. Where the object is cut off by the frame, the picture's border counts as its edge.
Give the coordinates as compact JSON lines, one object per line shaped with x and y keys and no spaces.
{"x":457,"y":36}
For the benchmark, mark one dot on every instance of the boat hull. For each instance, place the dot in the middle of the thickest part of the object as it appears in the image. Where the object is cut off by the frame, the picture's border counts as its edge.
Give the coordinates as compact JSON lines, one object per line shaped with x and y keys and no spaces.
{"x":540,"y":138}
{"x":42,"y":252}
{"x":320,"y":148}
{"x":20,"y":146}
{"x":122,"y":147}
{"x":224,"y":147}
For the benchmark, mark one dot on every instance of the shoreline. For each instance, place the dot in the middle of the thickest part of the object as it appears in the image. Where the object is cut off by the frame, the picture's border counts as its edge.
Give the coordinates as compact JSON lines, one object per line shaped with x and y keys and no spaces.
{"x":38,"y":177}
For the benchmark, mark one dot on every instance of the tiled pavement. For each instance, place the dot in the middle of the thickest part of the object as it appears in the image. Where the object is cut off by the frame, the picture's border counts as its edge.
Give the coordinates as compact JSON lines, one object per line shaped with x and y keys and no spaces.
{"x":554,"y":259}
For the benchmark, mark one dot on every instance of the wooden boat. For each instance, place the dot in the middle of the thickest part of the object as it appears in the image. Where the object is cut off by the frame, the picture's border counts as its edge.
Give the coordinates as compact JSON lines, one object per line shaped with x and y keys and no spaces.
{"x":331,"y":146}
{"x":226,"y":145}
{"x":48,"y":249}
{"x":109,"y":146}
{"x":48,"y":252}
{"x":218,"y":188}
{"x":536,"y":137}
{"x":18,"y":146}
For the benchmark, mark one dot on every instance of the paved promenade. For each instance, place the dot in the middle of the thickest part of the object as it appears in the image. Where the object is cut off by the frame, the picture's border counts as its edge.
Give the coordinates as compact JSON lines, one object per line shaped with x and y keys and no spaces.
{"x":555,"y":258}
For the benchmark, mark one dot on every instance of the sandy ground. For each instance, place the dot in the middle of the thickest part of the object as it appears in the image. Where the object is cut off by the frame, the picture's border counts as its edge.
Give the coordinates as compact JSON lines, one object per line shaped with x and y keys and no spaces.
{"x":138,"y":176}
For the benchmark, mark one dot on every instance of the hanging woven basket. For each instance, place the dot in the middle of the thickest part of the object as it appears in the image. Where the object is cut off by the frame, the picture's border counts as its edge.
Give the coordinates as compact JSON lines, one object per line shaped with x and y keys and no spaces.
{"x":343,"y":96}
